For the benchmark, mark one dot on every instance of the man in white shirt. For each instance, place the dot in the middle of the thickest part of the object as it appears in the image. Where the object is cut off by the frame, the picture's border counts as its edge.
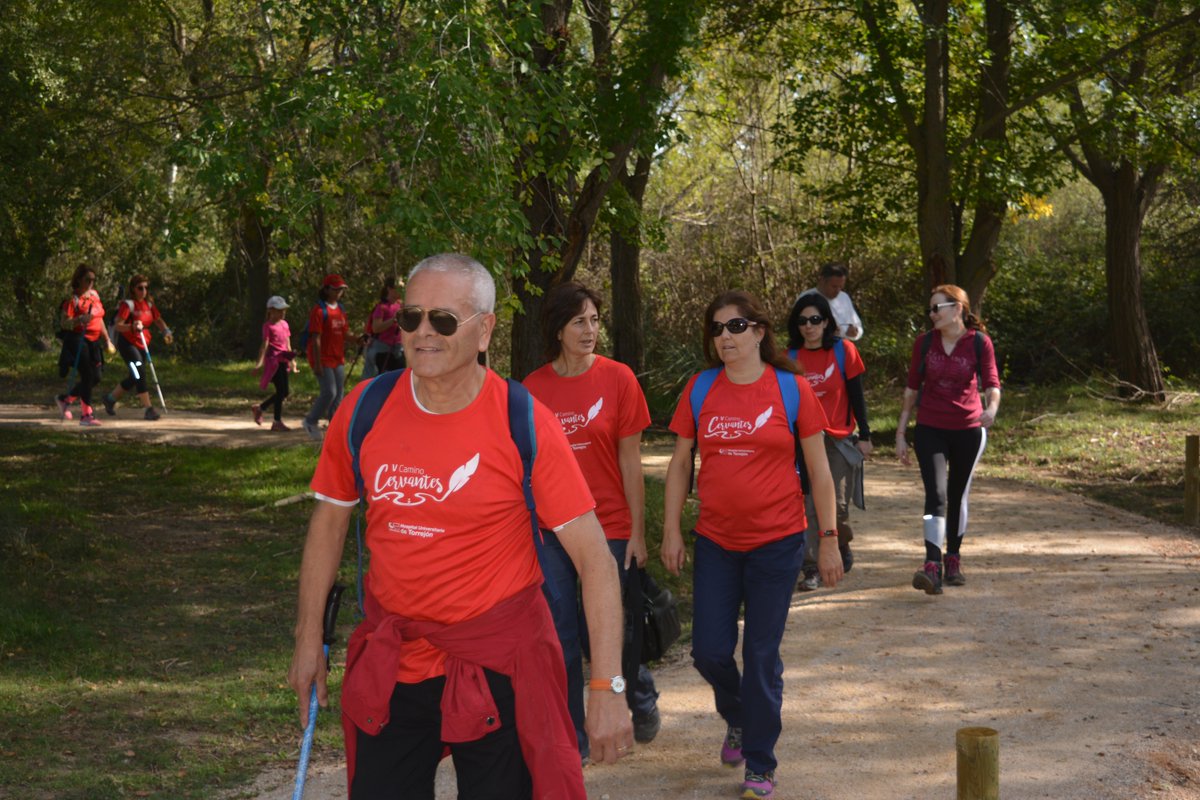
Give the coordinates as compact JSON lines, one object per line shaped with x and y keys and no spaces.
{"x":830,"y":283}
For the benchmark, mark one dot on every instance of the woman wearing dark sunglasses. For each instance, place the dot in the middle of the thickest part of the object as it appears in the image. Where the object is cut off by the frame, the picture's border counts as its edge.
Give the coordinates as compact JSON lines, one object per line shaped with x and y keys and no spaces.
{"x":603,"y":412}
{"x":951,"y":367}
{"x":749,"y":539}
{"x":81,"y":327}
{"x":813,"y":342}
{"x":135,"y":315}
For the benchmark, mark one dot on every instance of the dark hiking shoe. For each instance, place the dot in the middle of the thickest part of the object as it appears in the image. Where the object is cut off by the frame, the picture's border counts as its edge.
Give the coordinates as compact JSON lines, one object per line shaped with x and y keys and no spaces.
{"x":731,"y":748}
{"x":810,"y":581}
{"x":64,"y":408}
{"x":151,"y":414}
{"x":929,"y":578}
{"x":110,"y":404}
{"x":954,"y":573}
{"x":847,"y":557}
{"x":646,"y":726}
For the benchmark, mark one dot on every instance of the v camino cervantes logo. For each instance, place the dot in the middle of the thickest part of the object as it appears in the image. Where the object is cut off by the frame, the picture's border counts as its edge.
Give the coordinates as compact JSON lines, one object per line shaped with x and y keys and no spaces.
{"x":411,"y":486}
{"x":735,"y":427}
{"x":572,"y":421}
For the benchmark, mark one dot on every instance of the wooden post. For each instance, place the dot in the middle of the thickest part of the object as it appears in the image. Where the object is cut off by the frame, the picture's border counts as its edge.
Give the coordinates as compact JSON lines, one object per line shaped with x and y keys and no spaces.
{"x":978,"y":763}
{"x":1191,"y":480}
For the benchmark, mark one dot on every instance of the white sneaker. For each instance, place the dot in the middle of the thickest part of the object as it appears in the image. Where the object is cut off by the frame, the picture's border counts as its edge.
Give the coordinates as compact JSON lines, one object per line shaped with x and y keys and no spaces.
{"x":314,"y":431}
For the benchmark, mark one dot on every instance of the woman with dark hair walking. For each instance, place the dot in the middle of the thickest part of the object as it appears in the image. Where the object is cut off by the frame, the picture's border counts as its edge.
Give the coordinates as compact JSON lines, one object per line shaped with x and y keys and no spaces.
{"x":603,"y":412}
{"x":749,"y":539}
{"x":82,"y":327}
{"x":386,"y":351}
{"x":134,"y":317}
{"x":834,"y":370}
{"x":327,"y":353}
{"x":952,"y":366}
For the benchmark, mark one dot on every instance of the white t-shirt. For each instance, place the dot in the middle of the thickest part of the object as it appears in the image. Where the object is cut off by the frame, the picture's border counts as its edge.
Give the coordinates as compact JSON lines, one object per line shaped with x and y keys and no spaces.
{"x":844,"y":314}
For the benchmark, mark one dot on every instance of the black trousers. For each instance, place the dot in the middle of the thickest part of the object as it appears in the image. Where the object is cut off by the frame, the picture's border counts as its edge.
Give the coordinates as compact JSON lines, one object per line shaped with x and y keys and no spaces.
{"x":947,"y":459}
{"x":280,"y":381}
{"x":135,"y":362}
{"x":401,"y":762}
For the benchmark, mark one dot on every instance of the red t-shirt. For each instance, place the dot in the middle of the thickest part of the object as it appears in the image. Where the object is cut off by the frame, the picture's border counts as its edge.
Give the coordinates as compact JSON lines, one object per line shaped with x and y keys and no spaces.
{"x":142,"y":310}
{"x":949,"y":396}
{"x":447,"y":526}
{"x":748,"y":487}
{"x":597,"y":409}
{"x":332,"y":327}
{"x":87,"y":303}
{"x":820,"y":368}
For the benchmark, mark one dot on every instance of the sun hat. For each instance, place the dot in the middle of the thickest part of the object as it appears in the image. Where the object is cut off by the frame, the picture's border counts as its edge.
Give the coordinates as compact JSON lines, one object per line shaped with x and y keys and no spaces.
{"x":276,"y":302}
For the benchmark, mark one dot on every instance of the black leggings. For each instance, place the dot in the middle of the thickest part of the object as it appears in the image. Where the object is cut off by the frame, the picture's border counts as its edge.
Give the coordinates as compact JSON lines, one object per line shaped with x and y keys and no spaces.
{"x":89,"y":363}
{"x":135,"y":361}
{"x":947,"y":459}
{"x":280,"y":379}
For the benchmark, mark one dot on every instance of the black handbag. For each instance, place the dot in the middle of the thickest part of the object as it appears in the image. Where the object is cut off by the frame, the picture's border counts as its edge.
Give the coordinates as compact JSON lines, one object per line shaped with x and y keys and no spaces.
{"x":659,"y":624}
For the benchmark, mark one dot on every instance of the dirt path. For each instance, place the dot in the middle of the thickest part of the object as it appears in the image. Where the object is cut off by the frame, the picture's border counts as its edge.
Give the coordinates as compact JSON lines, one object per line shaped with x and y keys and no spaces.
{"x":1077,"y":637}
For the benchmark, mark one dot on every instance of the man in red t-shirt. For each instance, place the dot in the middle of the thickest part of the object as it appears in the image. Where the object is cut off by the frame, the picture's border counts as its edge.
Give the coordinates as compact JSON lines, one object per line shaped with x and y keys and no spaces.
{"x":451,"y":545}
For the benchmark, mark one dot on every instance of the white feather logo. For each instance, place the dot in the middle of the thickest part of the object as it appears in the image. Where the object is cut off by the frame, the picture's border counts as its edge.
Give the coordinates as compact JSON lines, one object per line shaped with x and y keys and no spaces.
{"x":762,"y":419}
{"x":829,"y":372}
{"x":462,"y":475}
{"x":594,"y":410}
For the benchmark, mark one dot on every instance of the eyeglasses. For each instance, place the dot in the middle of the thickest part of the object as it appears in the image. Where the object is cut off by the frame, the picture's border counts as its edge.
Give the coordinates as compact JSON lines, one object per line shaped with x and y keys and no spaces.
{"x":735,"y":325}
{"x":444,"y":322}
{"x":936,"y":307}
{"x":815,"y":319}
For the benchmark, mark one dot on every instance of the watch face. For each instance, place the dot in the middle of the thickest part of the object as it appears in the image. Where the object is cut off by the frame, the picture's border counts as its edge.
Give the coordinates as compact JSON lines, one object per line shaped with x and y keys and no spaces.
{"x":618,"y":684}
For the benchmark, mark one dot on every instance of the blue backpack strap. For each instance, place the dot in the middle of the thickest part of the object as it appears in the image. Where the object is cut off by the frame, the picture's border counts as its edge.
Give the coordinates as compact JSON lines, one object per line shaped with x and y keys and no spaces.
{"x":524,"y":436}
{"x":839,"y":355}
{"x":700,"y":389}
{"x":791,"y":408}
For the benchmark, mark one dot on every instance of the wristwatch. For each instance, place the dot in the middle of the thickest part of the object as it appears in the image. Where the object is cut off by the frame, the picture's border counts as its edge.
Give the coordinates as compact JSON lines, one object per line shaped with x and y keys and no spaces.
{"x":829,"y":534}
{"x":616,"y":684}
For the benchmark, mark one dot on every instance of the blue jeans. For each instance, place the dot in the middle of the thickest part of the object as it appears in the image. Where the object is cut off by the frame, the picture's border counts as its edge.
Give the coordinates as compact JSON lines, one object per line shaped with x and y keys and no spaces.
{"x":332,"y":383}
{"x":641,"y":694}
{"x":762,"y":580}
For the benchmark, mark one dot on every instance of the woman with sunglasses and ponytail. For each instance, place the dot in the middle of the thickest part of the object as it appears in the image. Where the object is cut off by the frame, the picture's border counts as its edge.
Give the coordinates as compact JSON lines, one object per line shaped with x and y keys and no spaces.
{"x":834,"y":369}
{"x":135,"y":315}
{"x":749,"y":539}
{"x":603,"y":412}
{"x":955,"y":386}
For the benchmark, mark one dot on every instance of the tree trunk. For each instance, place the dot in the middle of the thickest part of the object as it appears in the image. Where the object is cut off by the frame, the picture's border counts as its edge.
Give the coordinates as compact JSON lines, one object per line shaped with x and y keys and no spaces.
{"x":935,"y":228}
{"x":249,"y":268}
{"x":1125,"y":203}
{"x":625,"y":269}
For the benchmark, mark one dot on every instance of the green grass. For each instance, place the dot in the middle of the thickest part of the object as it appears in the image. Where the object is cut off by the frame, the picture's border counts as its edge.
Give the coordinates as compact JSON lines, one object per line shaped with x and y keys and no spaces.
{"x":149,"y":589}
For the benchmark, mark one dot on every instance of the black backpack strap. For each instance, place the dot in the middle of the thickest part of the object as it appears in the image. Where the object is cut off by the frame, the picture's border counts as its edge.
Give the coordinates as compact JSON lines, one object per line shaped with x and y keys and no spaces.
{"x":926,"y":343}
{"x":520,"y":427}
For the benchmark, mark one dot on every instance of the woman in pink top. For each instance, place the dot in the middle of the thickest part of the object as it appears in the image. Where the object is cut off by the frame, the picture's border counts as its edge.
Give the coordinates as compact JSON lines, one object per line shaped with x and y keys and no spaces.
{"x":951,"y":367}
{"x":602,"y":410}
{"x":385,"y":352}
{"x":276,"y":360}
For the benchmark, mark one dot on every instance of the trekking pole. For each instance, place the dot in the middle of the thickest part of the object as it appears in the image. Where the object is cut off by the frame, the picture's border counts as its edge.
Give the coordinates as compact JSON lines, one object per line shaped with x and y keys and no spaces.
{"x":332,"y":603}
{"x":153,"y":372}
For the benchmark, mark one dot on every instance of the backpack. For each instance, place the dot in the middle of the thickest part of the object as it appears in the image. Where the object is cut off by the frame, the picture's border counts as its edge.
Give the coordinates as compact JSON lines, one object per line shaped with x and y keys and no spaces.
{"x":839,"y":355}
{"x":113,"y":333}
{"x":306,"y":331}
{"x":520,"y":427}
{"x":927,"y":342}
{"x":791,"y":408}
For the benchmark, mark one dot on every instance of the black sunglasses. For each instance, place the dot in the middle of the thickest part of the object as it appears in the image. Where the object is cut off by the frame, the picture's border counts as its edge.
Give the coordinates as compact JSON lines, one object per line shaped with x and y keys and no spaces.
{"x":815,"y":319}
{"x":735,"y":325}
{"x":936,"y":307}
{"x":444,"y":322}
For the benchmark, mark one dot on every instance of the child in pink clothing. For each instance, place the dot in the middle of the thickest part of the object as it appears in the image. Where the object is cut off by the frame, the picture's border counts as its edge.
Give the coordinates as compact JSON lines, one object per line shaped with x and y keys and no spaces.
{"x":276,"y":360}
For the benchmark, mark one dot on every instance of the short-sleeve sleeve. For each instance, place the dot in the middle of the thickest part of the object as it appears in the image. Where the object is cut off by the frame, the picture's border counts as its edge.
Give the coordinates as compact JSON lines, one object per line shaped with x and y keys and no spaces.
{"x":682,"y":423}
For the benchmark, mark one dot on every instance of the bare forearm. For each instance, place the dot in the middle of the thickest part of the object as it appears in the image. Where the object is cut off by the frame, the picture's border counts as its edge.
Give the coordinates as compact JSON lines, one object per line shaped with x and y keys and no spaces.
{"x":319,"y":566}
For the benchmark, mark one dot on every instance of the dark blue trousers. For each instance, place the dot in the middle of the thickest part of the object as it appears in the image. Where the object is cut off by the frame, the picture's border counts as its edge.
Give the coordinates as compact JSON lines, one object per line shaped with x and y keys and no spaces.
{"x":640,"y":694}
{"x":761,"y":581}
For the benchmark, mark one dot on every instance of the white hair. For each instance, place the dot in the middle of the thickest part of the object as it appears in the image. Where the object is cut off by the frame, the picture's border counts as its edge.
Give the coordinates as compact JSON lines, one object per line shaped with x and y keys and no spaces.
{"x":483,"y":286}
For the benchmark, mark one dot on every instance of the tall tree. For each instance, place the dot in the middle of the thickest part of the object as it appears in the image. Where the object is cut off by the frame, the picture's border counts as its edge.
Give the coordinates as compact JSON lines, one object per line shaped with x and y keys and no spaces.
{"x":1123,"y":129}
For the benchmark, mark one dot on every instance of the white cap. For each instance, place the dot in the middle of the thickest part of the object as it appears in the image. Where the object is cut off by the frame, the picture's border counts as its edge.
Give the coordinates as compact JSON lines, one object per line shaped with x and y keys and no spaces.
{"x":277,"y":302}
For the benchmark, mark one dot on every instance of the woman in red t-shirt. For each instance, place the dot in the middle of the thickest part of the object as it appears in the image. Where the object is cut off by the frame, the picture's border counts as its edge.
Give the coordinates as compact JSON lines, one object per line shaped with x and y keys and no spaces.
{"x":82,"y":327}
{"x":813,"y":342}
{"x":135,"y":315}
{"x":603,"y":412}
{"x":327,"y":353}
{"x":951,"y":367}
{"x":749,"y":539}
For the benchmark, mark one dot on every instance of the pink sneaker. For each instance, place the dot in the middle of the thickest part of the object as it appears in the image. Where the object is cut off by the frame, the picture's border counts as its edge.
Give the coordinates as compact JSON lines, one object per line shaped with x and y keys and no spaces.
{"x":257,"y":412}
{"x":731,"y":748}
{"x":278,"y":425}
{"x":89,"y":421}
{"x":64,"y":408}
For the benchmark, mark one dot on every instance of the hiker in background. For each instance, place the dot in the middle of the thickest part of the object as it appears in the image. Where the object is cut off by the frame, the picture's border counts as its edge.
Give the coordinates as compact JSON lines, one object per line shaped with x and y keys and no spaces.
{"x":455,"y":617}
{"x":834,"y":370}
{"x":386,"y":351}
{"x":831,"y":284}
{"x":135,"y":314}
{"x":82,"y":328}
{"x":749,"y":539}
{"x":326,"y":352}
{"x":951,"y":366}
{"x":276,"y":360}
{"x":603,"y":412}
